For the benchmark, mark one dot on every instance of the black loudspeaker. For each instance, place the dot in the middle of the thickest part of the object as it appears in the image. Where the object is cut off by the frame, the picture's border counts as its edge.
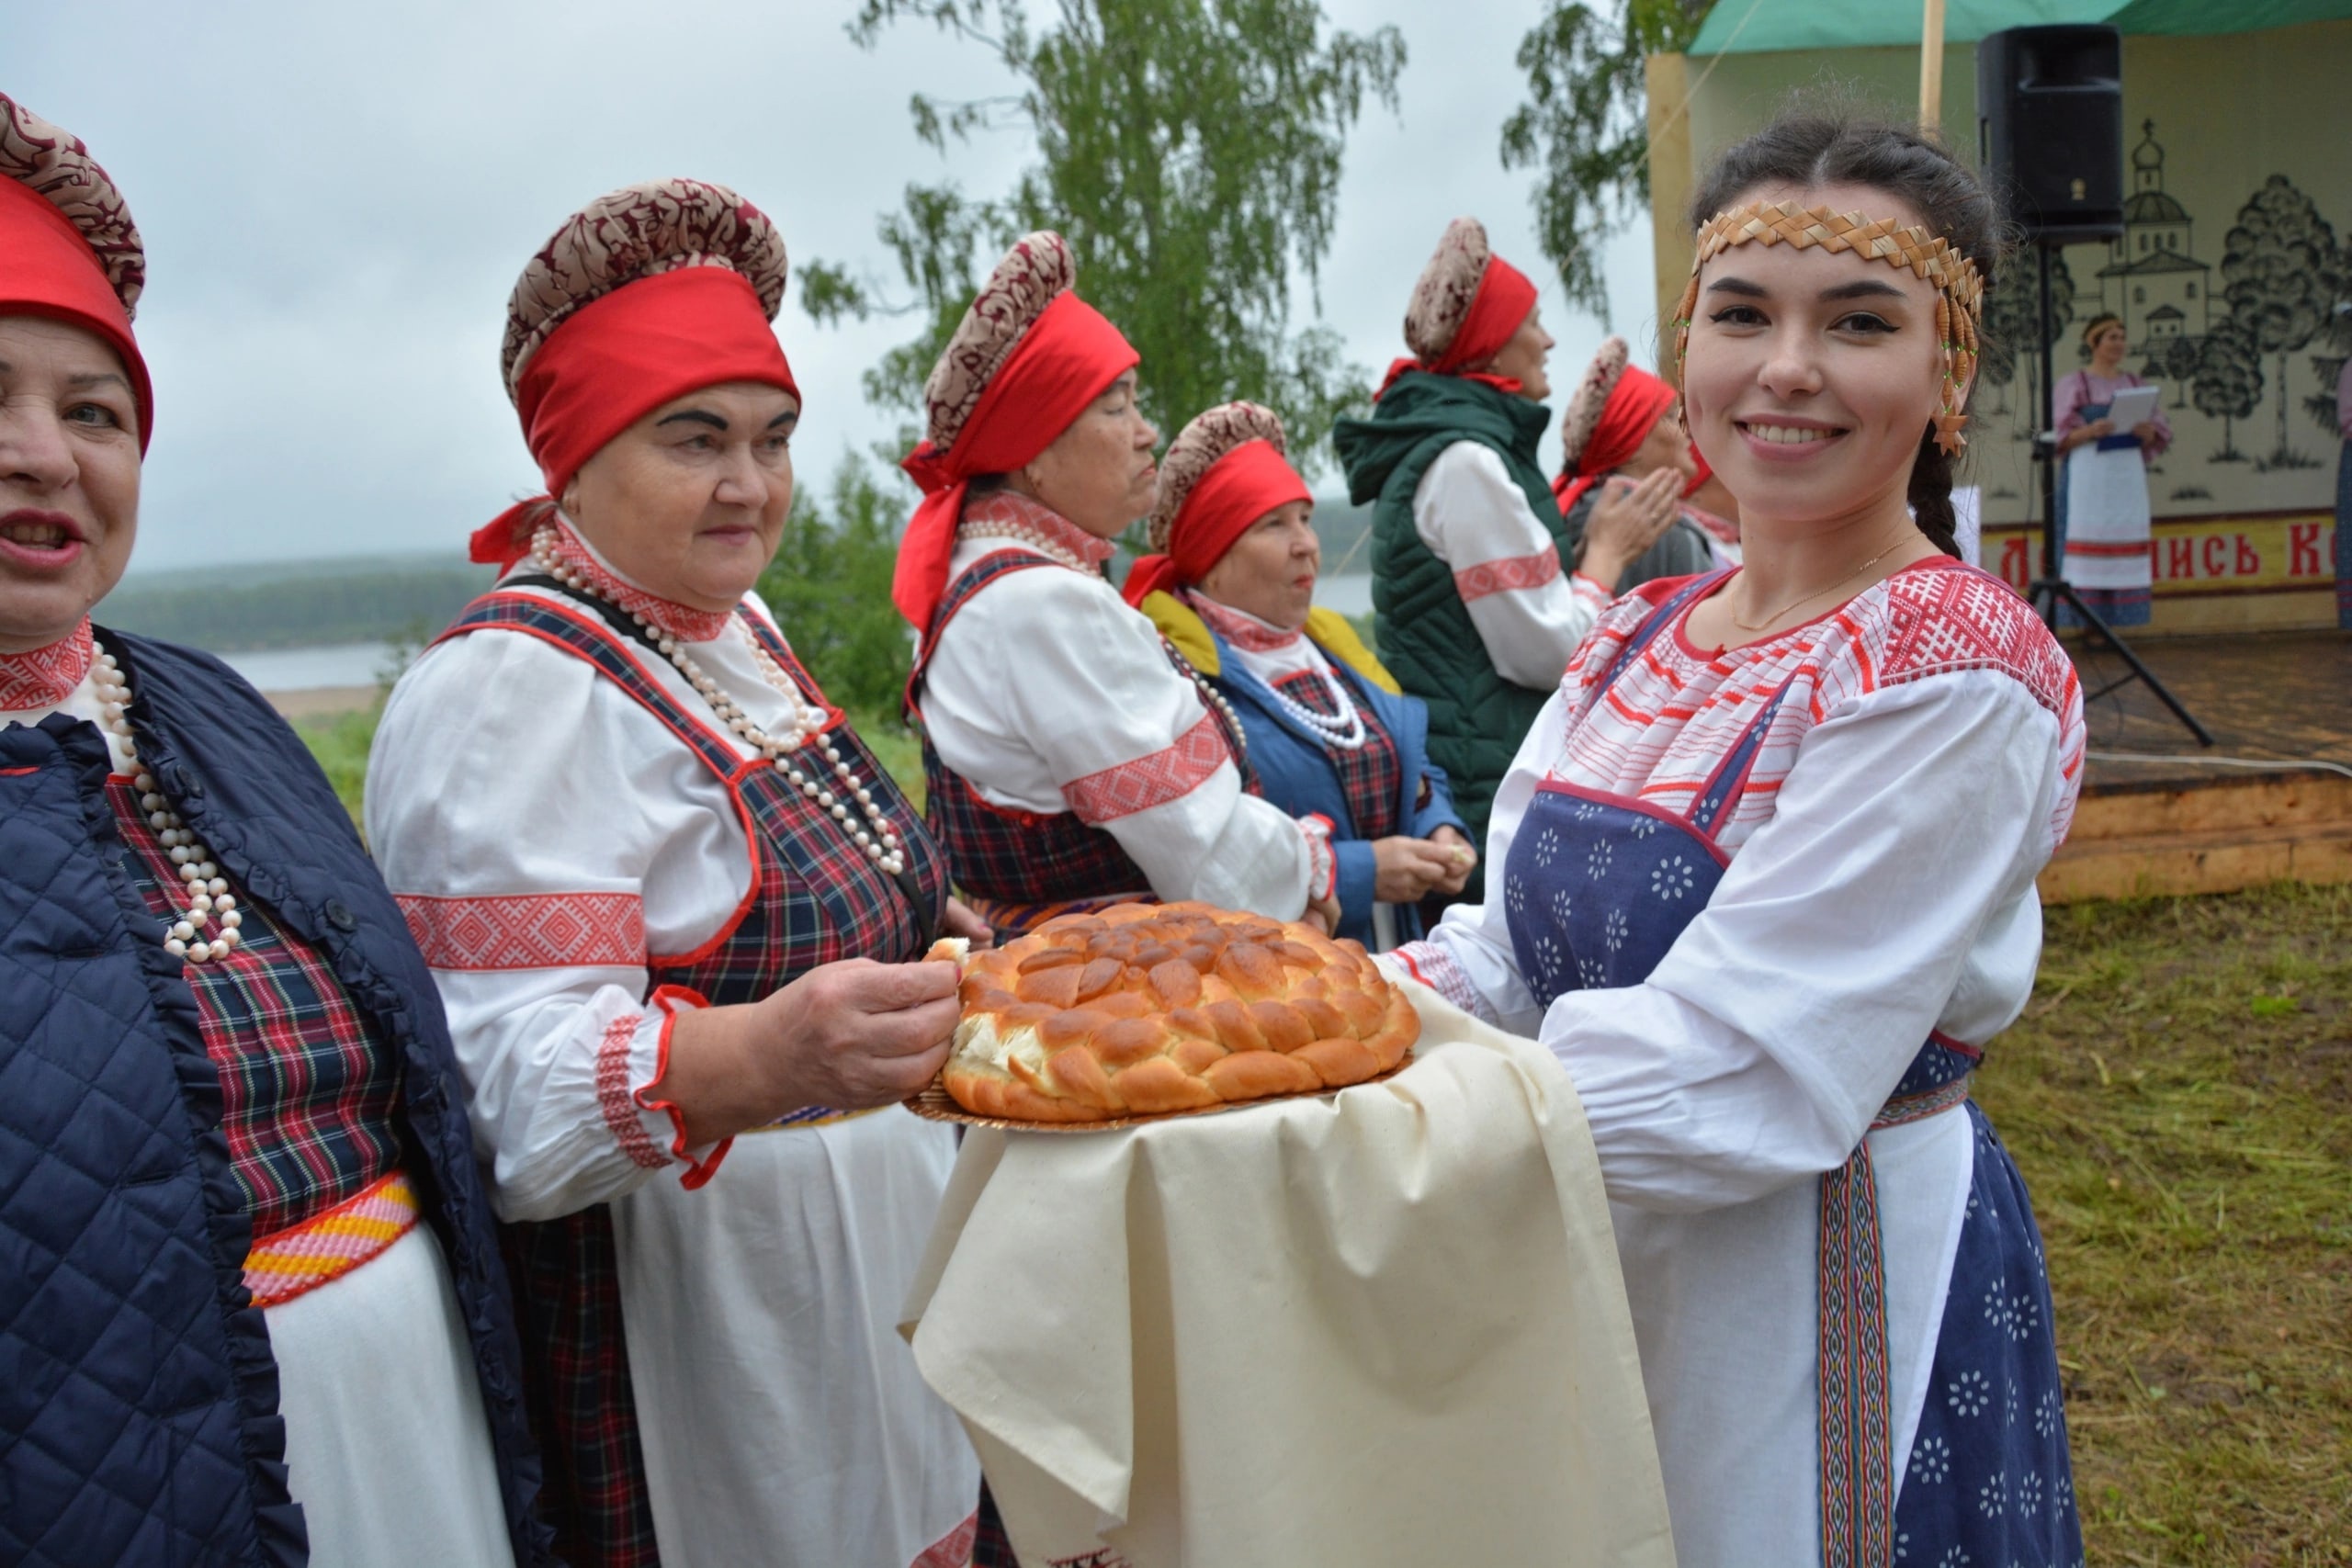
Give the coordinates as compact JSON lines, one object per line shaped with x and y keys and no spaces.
{"x":2050,"y":127}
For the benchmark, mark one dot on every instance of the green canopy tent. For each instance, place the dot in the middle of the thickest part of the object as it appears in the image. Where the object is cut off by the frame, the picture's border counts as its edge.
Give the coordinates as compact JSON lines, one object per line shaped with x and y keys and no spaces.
{"x":1756,"y":27}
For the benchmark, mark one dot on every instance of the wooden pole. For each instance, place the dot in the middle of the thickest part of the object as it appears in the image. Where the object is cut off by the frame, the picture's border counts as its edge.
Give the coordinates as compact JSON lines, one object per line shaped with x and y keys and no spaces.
{"x":1667,"y":80}
{"x":1931,"y":71}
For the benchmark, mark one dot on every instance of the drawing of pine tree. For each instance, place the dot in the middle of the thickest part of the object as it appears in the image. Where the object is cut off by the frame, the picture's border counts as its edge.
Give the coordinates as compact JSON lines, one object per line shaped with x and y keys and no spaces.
{"x":2276,"y":265}
{"x":2228,"y":383}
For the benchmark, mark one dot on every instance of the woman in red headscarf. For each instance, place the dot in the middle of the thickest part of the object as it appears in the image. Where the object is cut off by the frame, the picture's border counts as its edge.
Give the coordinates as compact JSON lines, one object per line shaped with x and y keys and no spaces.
{"x":1619,"y":431}
{"x":1233,"y":587}
{"x":1478,"y":611}
{"x":1074,"y":759}
{"x":671,"y":900}
{"x":255,"y":1312}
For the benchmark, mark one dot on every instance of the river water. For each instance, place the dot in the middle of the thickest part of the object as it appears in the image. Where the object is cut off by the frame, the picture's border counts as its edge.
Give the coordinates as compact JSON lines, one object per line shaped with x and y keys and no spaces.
{"x":308,"y":669}
{"x":361,"y":663}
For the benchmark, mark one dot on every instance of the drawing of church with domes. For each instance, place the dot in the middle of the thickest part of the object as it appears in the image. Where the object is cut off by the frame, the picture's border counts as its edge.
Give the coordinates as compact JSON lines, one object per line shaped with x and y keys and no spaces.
{"x":2152,"y":281}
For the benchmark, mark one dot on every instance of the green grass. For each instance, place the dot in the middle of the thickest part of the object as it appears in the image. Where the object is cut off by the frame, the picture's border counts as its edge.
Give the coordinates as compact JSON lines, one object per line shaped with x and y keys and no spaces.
{"x":340,"y":742}
{"x":2179,"y":1096}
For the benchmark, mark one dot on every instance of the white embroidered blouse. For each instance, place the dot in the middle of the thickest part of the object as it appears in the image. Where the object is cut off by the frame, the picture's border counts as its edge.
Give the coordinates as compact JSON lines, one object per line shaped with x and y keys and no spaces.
{"x":1048,"y":693}
{"x":1474,"y":518}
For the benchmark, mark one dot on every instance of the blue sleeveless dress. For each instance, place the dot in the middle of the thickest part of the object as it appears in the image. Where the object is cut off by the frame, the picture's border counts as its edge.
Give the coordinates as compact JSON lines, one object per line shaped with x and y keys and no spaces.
{"x":1597,"y":888}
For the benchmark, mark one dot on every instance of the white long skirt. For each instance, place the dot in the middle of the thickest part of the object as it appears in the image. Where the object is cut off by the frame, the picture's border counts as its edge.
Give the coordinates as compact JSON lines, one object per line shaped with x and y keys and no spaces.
{"x":387,"y":1447}
{"x":783,"y":1418}
{"x":1727,"y":1309}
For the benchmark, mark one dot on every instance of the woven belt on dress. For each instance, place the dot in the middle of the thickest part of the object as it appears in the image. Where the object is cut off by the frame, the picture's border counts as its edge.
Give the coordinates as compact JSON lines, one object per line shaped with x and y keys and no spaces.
{"x":1856,"y":1404}
{"x":328,"y":1246}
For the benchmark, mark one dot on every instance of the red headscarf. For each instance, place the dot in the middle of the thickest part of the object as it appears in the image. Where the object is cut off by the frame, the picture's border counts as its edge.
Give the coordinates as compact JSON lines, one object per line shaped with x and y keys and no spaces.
{"x":1238,"y":490}
{"x":1064,"y":361}
{"x":47,"y":268}
{"x":1636,"y":404}
{"x":616,"y":360}
{"x":1505,"y":297}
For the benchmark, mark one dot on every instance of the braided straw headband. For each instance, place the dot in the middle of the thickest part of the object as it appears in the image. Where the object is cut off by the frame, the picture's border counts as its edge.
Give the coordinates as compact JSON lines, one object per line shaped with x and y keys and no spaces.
{"x":1960,"y":291}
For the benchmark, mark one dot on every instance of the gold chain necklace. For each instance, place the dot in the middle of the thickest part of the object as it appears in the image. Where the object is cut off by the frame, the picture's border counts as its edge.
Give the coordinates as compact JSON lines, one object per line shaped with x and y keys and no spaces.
{"x":1816,"y":593}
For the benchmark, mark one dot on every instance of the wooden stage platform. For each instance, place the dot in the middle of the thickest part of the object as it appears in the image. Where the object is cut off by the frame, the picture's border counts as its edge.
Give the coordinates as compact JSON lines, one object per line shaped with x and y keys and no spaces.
{"x":2175,"y":818}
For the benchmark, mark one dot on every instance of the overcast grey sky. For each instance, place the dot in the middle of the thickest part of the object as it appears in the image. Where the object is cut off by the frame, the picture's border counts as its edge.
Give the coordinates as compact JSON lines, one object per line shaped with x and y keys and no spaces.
{"x":336,"y":200}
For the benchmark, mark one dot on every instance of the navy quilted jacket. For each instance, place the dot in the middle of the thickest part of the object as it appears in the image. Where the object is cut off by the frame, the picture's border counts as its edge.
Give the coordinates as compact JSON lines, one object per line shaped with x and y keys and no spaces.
{"x":138,"y":1399}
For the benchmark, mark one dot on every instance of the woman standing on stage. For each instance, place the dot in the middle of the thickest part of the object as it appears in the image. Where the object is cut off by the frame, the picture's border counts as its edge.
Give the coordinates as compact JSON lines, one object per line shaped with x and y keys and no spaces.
{"x":671,"y":900}
{"x":253,"y":1308}
{"x":1764,"y":883}
{"x":1074,"y":758}
{"x":1232,"y":585}
{"x":2103,"y":481}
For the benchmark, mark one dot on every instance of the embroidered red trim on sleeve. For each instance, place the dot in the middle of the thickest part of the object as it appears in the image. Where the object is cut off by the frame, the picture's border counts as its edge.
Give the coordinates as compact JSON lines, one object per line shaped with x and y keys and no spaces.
{"x":1508,"y":573}
{"x":1165,"y":776}
{"x":612,"y":1096}
{"x":528,"y":931}
{"x":671,"y":1000}
{"x":1322,"y":865}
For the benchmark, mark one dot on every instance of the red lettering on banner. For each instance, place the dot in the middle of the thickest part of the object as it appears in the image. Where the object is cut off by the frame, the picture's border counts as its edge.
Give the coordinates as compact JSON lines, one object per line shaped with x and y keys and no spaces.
{"x":2180,"y":558}
{"x":2302,"y":549}
{"x":2216,"y":555}
{"x":2249,"y":562}
{"x":2015,"y":570}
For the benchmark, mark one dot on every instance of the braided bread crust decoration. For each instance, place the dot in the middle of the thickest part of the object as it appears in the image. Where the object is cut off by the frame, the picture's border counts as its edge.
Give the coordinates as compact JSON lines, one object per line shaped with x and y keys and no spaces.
{"x":1960,"y":288}
{"x":1148,"y":1009}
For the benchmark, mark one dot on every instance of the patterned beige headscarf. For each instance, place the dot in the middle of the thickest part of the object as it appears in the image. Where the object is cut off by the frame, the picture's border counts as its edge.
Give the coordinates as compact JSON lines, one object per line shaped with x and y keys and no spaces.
{"x":1959,"y":290}
{"x":637,"y":232}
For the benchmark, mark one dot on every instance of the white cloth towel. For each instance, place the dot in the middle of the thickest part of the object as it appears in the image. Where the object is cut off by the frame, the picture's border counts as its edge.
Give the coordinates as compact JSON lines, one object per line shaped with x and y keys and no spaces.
{"x":1384,"y":1328}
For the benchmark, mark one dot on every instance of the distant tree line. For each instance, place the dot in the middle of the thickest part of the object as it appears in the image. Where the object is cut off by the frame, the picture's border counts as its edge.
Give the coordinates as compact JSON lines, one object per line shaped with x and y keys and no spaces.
{"x":310,"y":610}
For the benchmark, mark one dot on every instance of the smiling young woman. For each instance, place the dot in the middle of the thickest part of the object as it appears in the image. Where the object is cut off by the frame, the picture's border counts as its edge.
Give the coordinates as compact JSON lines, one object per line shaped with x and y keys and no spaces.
{"x":670,"y":901}
{"x":1767,"y":868}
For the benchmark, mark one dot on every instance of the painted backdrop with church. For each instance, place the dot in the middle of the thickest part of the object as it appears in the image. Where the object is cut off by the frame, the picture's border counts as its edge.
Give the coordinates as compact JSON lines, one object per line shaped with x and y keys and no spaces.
{"x":2233,"y":278}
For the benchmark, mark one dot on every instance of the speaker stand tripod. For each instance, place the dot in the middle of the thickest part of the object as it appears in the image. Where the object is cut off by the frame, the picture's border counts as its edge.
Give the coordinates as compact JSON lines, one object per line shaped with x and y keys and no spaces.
{"x":2051,"y":589}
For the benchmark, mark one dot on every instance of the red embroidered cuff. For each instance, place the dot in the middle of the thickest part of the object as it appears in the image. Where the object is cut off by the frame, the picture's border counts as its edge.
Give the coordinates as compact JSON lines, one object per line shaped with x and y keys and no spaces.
{"x":1322,"y":865}
{"x":670,"y":999}
{"x":612,"y":1096}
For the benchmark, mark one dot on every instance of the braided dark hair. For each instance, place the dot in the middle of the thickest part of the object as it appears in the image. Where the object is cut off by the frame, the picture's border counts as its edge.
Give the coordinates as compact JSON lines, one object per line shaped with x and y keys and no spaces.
{"x":1834,"y":146}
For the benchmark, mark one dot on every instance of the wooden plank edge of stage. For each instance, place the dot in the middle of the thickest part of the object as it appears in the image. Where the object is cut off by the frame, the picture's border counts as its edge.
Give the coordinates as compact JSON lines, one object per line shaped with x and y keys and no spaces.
{"x":2142,"y":838}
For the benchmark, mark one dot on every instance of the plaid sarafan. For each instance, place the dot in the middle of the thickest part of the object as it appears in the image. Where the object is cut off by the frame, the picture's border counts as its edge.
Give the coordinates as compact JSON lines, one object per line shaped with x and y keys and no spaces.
{"x":815,"y":898}
{"x":1022,"y":867}
{"x":1372,"y":778}
{"x":998,"y":854}
{"x":307,"y":1087}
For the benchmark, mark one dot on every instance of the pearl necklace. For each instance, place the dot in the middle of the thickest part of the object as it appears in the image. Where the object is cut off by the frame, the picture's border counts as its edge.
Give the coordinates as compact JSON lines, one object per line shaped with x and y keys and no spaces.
{"x":210,"y":902}
{"x":1343,"y":727}
{"x":879,"y":842}
{"x":1020,"y":533}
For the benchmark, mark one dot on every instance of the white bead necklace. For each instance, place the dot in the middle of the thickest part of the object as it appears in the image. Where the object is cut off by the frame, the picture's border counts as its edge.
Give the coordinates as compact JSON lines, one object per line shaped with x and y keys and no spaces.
{"x":1343,"y":727}
{"x":208,"y":928}
{"x":1020,"y":533}
{"x":877,"y":839}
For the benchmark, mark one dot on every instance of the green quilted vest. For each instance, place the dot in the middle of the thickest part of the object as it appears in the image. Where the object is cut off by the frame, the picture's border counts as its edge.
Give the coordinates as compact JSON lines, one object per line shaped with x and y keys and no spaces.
{"x":1476,"y":718}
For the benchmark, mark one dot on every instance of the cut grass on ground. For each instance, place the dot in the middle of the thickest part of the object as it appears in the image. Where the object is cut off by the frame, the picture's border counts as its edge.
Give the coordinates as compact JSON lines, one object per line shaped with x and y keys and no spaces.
{"x":2179,"y":1096}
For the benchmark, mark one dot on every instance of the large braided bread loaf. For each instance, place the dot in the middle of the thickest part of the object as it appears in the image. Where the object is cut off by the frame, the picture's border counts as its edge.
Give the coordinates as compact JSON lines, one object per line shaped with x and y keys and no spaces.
{"x":1170,"y":1007}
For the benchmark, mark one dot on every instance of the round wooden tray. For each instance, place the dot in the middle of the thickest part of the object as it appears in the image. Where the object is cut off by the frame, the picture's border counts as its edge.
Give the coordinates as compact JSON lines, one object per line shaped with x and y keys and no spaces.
{"x":935,"y":1104}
